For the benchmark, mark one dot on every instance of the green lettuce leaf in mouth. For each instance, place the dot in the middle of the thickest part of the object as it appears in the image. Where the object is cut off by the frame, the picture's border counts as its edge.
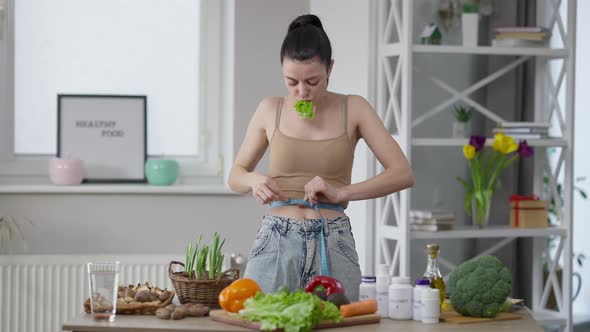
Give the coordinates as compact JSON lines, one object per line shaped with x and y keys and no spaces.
{"x":304,"y":108}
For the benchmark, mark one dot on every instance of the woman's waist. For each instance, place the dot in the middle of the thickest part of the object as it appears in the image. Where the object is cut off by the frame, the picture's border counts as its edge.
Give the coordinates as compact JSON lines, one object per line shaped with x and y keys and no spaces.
{"x":295,"y":224}
{"x":296,"y":183}
{"x":300,"y":194}
{"x":303,"y":212}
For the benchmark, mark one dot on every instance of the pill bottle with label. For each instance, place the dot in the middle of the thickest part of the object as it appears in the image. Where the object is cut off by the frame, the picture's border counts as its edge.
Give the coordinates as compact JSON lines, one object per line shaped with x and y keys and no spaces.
{"x":400,"y":298}
{"x":368,"y":288}
{"x":382,"y":289}
{"x":417,"y":297}
{"x":430,"y":305}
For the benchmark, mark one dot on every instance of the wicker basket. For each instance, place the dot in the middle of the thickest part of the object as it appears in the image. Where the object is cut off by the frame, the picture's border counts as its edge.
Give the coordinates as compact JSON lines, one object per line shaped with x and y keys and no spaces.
{"x":204,"y":291}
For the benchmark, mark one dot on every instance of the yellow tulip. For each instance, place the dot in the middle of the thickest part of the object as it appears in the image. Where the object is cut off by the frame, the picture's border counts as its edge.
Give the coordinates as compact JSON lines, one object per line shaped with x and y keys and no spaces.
{"x":511,"y":145}
{"x":498,"y":139}
{"x":504,"y":144}
{"x":469,"y":151}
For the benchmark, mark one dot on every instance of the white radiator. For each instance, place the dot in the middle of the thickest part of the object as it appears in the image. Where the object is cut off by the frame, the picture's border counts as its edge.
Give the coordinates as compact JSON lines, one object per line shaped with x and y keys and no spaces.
{"x":39,"y":292}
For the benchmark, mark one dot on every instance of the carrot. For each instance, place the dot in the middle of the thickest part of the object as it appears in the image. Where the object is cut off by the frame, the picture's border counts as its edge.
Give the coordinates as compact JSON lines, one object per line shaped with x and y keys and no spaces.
{"x":359,"y":308}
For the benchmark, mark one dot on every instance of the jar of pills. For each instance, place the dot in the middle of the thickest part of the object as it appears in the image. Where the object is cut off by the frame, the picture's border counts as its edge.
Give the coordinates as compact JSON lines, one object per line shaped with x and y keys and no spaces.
{"x":421,"y":284}
{"x":368,"y":288}
{"x":400,"y":298}
{"x":430,"y":305}
{"x":382,"y":289}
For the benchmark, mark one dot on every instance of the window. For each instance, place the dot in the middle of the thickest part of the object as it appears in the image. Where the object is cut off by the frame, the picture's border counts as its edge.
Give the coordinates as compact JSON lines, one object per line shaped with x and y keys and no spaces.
{"x":169,"y":50}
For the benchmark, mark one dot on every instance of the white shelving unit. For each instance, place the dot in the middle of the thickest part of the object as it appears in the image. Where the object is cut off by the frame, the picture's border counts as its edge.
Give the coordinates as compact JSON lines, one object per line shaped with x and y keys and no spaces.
{"x":394,"y":84}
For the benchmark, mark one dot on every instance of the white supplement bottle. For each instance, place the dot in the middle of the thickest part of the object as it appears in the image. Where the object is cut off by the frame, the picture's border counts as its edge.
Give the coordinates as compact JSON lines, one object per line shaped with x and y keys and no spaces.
{"x":400,"y":298}
{"x":368,"y":288}
{"x":382,"y":289}
{"x":417,"y":297}
{"x":430,"y":305}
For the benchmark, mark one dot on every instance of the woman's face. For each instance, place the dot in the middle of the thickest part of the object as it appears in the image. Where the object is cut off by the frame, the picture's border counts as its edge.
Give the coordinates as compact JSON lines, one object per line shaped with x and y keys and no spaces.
{"x":306,"y":80}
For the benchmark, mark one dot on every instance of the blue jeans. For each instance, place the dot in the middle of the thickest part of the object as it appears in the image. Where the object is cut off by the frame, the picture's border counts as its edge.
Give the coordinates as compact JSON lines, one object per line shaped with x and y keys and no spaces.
{"x":286,"y":253}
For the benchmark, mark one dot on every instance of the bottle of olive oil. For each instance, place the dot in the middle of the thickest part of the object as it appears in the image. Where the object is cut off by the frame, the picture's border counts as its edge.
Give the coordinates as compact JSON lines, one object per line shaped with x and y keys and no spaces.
{"x":433,"y":273}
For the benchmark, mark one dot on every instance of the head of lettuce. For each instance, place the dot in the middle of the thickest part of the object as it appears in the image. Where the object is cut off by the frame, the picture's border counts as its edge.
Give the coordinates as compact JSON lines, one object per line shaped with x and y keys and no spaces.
{"x":290,"y":311}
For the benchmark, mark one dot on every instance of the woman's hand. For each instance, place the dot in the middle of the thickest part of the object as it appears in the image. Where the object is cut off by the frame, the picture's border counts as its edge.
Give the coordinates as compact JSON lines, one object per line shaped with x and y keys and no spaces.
{"x":319,"y":187}
{"x":266,"y":190}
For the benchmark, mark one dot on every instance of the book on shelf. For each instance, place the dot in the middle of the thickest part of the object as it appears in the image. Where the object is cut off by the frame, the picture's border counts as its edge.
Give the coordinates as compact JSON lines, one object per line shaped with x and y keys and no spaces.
{"x":518,"y":43}
{"x":432,"y":214}
{"x":520,"y":124}
{"x":521,"y":134}
{"x":533,"y":36}
{"x":526,"y":136}
{"x":430,"y":228}
{"x":432,"y":221}
{"x":522,"y":130}
{"x":520,"y":29}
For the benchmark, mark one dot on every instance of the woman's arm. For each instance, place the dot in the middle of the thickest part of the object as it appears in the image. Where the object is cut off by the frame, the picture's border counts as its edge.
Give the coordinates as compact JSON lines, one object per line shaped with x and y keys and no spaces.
{"x":397,"y":174}
{"x":242,"y":177}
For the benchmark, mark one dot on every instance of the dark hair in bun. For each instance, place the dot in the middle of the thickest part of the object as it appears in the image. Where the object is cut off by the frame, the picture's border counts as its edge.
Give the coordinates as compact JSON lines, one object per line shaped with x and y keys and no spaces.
{"x":306,"y":39}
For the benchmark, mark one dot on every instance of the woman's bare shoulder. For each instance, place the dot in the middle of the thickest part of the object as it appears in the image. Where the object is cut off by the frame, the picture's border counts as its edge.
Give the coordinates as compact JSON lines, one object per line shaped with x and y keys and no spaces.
{"x":268,"y":106}
{"x":361,"y":114}
{"x":358,"y":103}
{"x":266,"y":110}
{"x":359,"y":108}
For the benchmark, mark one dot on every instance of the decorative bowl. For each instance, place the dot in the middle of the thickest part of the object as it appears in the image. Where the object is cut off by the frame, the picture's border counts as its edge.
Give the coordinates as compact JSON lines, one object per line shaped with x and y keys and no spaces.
{"x":64,"y":171}
{"x":161,"y":172}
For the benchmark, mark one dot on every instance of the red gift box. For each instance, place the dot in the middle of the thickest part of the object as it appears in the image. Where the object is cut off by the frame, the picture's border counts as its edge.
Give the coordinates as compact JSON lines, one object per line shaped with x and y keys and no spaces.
{"x":528,"y":212}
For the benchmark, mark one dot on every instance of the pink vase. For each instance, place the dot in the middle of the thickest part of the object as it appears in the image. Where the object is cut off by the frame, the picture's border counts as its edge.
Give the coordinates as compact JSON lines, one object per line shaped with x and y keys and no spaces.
{"x":64,"y":171}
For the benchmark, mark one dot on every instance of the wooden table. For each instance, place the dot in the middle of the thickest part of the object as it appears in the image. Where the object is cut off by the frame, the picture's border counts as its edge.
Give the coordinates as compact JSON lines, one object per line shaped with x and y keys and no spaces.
{"x":84,"y":322}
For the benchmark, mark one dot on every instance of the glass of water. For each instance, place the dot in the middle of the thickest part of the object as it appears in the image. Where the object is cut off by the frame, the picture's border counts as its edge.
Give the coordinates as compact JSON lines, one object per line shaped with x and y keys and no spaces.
{"x":103,"y":279}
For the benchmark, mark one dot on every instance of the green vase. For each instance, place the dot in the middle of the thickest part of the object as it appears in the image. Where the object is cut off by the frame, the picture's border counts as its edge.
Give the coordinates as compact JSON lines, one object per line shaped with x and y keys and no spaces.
{"x":481,"y":202}
{"x":161,"y":172}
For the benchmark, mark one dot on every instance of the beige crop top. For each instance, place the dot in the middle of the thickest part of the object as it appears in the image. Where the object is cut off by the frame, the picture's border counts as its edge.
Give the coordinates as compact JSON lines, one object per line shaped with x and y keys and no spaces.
{"x":295,"y":161}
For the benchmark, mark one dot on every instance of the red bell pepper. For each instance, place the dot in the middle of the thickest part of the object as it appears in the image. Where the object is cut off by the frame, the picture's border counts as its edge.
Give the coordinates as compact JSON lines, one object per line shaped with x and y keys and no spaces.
{"x":330,"y":284}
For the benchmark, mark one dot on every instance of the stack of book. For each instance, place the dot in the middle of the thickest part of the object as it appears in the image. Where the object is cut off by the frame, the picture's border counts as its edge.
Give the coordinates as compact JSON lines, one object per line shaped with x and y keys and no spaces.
{"x":521,"y":36}
{"x":431,"y":221}
{"x":523,"y":130}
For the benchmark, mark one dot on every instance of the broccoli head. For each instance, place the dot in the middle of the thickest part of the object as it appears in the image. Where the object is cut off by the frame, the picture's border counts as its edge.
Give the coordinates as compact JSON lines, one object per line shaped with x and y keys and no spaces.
{"x":479,"y":287}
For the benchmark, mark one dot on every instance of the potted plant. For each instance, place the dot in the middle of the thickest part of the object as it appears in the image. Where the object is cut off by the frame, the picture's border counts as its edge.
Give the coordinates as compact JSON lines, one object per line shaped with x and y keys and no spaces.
{"x":470,"y":24}
{"x":449,"y":14}
{"x":10,"y":230}
{"x":461,"y":126}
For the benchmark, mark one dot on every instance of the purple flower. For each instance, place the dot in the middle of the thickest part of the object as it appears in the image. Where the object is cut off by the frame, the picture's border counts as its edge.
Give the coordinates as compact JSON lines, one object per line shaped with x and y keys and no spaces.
{"x":478,"y":142}
{"x":524,"y":150}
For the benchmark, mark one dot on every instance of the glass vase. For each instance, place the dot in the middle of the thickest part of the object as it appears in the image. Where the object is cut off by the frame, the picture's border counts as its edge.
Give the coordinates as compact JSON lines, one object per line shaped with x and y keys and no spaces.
{"x":480,"y":208}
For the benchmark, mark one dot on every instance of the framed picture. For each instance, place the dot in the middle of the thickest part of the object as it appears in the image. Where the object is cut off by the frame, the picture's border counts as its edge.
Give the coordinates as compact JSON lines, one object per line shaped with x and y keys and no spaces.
{"x":108,"y":132}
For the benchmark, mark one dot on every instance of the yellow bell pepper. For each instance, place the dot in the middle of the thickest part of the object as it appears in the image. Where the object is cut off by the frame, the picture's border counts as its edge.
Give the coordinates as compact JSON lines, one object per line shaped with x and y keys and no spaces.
{"x":232,"y":297}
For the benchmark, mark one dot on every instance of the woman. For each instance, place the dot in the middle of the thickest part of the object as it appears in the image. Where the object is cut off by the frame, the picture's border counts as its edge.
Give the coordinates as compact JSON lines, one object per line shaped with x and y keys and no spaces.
{"x":306,"y":232}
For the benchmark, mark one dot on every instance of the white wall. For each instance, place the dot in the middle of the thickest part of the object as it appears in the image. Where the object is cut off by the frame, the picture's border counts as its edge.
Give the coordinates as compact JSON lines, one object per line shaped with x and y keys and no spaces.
{"x":581,"y":157}
{"x":261,"y":26}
